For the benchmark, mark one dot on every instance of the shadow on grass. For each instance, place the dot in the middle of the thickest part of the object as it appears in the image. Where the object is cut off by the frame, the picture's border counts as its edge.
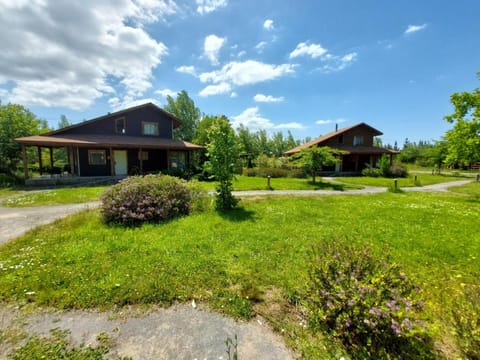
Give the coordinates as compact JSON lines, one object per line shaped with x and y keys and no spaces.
{"x":321,"y":185}
{"x":237,"y":215}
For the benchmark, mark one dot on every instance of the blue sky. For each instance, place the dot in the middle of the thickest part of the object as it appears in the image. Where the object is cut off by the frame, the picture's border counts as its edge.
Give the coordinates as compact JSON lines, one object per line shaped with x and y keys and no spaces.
{"x":277,"y":65}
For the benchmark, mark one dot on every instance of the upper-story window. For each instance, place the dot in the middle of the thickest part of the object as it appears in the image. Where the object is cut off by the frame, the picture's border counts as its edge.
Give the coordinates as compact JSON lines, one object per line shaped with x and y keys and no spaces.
{"x":149,"y":128}
{"x":340,"y":139}
{"x":120,"y":126}
{"x":357,"y":140}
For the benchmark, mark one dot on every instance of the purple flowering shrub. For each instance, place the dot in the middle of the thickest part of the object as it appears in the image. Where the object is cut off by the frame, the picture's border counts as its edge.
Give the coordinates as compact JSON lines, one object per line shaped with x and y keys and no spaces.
{"x":149,"y":198}
{"x":359,"y":299}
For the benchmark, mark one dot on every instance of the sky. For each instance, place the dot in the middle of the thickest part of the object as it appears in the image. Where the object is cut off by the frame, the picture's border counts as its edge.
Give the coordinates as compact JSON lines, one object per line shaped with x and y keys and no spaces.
{"x":281,"y":65}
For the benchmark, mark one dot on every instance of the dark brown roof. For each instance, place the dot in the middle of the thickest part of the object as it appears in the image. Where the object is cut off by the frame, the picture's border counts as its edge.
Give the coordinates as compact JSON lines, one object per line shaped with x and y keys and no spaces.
{"x":108,"y":141}
{"x":325,"y":137}
{"x":176,"y":121}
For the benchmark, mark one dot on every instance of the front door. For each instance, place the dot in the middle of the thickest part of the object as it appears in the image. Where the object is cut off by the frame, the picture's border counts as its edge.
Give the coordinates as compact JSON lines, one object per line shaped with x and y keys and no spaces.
{"x":120,"y":157}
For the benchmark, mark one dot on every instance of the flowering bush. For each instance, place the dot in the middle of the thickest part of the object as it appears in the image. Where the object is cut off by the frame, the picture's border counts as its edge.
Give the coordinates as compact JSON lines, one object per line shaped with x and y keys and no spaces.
{"x":369,"y":305}
{"x":466,"y":322}
{"x":150,"y":198}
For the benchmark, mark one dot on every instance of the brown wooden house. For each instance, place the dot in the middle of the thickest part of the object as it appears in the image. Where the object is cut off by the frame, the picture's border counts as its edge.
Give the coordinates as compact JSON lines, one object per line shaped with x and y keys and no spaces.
{"x":357,"y":140}
{"x":135,"y":140}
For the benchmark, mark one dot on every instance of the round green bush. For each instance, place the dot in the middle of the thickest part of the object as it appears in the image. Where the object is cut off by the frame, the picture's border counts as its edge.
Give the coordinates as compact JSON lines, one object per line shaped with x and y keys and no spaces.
{"x":149,"y":198}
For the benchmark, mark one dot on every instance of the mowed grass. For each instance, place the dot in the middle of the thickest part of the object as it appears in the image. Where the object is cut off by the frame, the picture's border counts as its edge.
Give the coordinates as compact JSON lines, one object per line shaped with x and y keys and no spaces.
{"x":471,"y":189}
{"x":92,"y":193}
{"x":422,"y":180}
{"x":59,"y":196}
{"x":242,"y":183}
{"x":234,"y":261}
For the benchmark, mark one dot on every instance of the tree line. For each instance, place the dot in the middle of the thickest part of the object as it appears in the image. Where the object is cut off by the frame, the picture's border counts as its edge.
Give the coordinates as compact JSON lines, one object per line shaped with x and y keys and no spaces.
{"x":459,"y":147}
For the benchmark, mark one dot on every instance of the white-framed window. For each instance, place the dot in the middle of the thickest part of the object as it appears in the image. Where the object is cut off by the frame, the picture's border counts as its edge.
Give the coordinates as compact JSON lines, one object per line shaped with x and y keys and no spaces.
{"x":149,"y":128}
{"x":142,"y":155}
{"x":97,"y":157}
{"x":357,"y":140}
{"x":120,"y":126}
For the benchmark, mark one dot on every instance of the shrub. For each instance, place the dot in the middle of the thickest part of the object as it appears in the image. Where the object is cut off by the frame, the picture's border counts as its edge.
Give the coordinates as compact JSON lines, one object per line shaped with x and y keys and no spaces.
{"x":371,"y":171}
{"x":466,"y":322}
{"x":149,"y":198}
{"x":398,"y":171}
{"x":7,"y":180}
{"x":366,"y":303}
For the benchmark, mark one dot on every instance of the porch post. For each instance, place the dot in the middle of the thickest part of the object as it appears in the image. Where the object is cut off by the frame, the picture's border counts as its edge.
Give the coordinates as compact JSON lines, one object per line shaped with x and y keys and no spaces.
{"x":24,"y":158}
{"x":71,"y":161}
{"x":168,"y":159}
{"x":51,"y":160}
{"x":140,"y":155}
{"x":112,"y":162}
{"x":40,"y":164}
{"x":78,"y":161}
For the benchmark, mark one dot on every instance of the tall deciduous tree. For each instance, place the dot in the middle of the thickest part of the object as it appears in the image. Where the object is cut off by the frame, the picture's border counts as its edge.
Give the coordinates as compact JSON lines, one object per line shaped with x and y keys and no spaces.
{"x":184,"y":108}
{"x":223,"y":153}
{"x":16,"y":121}
{"x":315,"y":158}
{"x":463,"y":141}
{"x":63,"y":122}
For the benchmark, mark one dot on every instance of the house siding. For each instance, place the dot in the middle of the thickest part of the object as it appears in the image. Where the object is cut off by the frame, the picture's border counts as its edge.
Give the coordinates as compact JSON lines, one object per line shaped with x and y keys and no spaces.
{"x":349,"y":136}
{"x":133,"y":124}
{"x":93,"y":170}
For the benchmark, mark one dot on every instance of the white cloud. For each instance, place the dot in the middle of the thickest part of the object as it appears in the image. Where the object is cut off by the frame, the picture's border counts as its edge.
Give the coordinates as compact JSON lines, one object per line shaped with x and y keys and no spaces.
{"x":119,"y":104}
{"x":267,"y":98}
{"x":247,"y":72}
{"x":330,"y":121}
{"x":221,"y":88}
{"x":166,"y":92}
{"x":207,"y":6}
{"x":268,"y":24}
{"x":233,"y":94}
{"x":304,"y":49}
{"x":241,"y":53}
{"x":291,"y":125}
{"x":212,"y":46}
{"x":333,"y":63}
{"x":252,"y":119}
{"x":49,"y":64}
{"x":414,"y":28}
{"x":186,"y":70}
{"x":260,"y":46}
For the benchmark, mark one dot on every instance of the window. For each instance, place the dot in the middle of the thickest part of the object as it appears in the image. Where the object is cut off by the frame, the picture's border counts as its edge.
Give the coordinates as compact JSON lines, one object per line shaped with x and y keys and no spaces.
{"x":149,"y":128}
{"x":143,"y":155}
{"x":120,"y":126}
{"x":97,"y":157}
{"x":177,"y":159}
{"x":340,"y":139}
{"x":357,"y":140}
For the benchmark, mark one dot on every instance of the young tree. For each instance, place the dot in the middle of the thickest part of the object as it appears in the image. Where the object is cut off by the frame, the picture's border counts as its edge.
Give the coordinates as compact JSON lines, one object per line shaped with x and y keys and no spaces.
{"x":314,"y":158}
{"x":16,"y":121}
{"x":63,"y":122}
{"x":184,"y":108}
{"x":223,"y":152}
{"x":463,"y":141}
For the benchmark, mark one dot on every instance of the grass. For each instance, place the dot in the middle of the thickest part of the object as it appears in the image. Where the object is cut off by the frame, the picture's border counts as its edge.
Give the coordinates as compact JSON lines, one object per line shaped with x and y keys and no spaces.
{"x":472,"y":188}
{"x":8,"y":191}
{"x":55,"y":197}
{"x":422,"y":180}
{"x":92,"y":193}
{"x":236,"y":261}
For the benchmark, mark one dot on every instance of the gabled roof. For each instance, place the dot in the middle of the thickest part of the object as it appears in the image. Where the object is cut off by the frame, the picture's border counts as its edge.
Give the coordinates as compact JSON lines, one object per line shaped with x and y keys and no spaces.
{"x":330,"y":135}
{"x":176,"y":121}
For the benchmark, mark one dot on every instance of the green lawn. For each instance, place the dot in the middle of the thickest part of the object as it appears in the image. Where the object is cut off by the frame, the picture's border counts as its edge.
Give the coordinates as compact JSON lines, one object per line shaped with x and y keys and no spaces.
{"x":258,"y":183}
{"x":472,"y":189}
{"x":4,"y":192}
{"x":236,"y":261}
{"x":92,"y":193}
{"x":422,"y":180}
{"x":56,"y":196}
